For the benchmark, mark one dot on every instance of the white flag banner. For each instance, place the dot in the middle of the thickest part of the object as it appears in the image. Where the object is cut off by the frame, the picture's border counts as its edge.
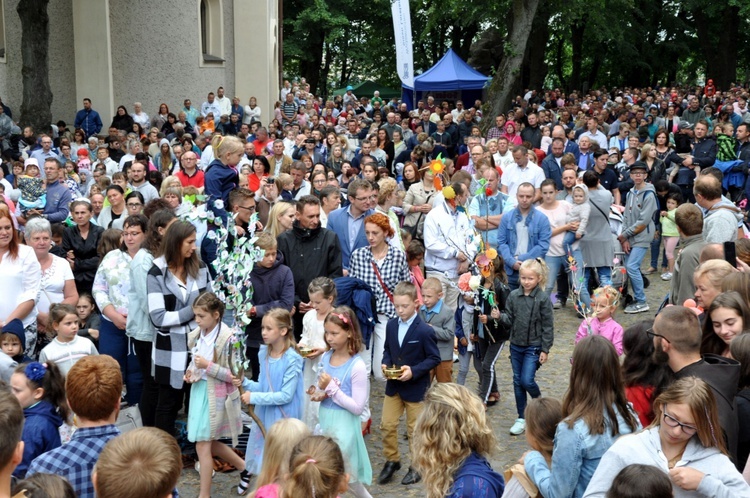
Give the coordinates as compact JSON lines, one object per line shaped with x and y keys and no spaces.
{"x":404,"y":47}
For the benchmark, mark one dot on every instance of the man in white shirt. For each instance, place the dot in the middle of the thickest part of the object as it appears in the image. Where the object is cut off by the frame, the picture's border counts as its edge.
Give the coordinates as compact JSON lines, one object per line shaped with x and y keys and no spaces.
{"x":210,"y":105}
{"x":448,"y":251}
{"x":139,"y":183}
{"x":504,"y":156}
{"x":224,"y":103}
{"x":522,"y":171}
{"x":594,"y":134}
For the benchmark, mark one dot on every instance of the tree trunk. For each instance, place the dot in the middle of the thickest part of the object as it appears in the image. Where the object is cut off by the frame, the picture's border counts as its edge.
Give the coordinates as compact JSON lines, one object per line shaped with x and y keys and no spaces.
{"x":576,"y":43}
{"x":726,"y":56}
{"x":310,"y":66}
{"x":534,"y":66}
{"x":37,"y":95}
{"x":506,"y":78}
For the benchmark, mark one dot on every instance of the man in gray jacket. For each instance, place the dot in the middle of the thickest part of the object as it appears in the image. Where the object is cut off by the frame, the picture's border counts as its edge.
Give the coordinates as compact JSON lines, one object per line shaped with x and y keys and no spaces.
{"x":721,"y":218}
{"x":638,"y":231}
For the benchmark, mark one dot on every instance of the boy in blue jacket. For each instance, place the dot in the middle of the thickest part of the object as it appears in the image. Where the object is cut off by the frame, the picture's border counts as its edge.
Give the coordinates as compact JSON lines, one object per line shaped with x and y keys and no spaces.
{"x":410,"y":344}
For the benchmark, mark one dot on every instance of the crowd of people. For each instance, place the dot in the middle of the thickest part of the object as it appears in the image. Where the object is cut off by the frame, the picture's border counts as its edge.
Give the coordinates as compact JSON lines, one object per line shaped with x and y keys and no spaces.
{"x":391,"y":244}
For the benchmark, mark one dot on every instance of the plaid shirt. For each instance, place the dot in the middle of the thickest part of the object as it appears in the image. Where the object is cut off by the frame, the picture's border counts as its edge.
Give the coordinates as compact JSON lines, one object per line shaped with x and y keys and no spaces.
{"x":75,"y":461}
{"x":393,"y":270}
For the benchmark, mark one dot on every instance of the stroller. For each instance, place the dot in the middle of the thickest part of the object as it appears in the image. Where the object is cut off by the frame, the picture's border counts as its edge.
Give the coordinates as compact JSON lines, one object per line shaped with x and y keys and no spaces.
{"x":619,"y":272}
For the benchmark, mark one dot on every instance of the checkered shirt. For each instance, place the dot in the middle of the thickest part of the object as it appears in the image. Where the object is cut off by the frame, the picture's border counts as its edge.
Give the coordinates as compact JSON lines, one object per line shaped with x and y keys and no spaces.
{"x":75,"y":460}
{"x":393,"y":270}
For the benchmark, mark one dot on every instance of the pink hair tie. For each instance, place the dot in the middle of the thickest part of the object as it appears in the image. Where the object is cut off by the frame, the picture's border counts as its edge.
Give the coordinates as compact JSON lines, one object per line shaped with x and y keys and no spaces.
{"x":310,"y":460}
{"x":342,"y":317}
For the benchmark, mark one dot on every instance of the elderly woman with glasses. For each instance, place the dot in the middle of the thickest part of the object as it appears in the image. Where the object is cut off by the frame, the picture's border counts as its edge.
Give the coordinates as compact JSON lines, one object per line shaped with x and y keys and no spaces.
{"x":80,"y":243}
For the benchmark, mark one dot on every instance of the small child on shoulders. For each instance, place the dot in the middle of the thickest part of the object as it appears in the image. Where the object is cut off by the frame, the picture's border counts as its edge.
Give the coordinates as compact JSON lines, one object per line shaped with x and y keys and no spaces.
{"x":602,"y":322}
{"x":436,"y":314}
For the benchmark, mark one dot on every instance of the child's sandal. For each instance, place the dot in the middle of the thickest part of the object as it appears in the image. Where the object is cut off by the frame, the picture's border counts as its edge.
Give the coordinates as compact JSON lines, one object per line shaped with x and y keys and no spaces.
{"x":244,"y":482}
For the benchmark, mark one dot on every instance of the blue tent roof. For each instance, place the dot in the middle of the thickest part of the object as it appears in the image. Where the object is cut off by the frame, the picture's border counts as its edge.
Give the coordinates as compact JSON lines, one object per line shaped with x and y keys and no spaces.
{"x":450,"y":73}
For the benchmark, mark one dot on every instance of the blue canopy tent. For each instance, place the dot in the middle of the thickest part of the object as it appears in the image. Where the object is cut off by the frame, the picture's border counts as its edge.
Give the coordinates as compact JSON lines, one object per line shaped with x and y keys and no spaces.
{"x":450,"y":79}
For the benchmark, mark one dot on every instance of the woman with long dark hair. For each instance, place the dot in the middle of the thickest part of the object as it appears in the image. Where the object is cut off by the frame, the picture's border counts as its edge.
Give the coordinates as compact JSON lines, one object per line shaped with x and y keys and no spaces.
{"x":644,"y":378}
{"x":596,"y":413}
{"x":139,"y":327}
{"x":175,"y":280}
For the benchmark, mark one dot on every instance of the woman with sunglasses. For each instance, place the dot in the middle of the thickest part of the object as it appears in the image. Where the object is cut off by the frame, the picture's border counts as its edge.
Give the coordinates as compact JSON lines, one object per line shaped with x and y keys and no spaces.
{"x":685,"y":441}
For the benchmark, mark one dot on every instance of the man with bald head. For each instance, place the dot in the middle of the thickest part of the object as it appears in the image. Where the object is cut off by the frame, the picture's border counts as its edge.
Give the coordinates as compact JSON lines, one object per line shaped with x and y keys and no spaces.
{"x":558,"y":131}
{"x":390,"y":125}
{"x":677,"y":337}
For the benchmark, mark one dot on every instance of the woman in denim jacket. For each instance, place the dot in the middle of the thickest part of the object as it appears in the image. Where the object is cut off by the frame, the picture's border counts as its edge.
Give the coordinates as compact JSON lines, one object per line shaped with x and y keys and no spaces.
{"x":596,"y":413}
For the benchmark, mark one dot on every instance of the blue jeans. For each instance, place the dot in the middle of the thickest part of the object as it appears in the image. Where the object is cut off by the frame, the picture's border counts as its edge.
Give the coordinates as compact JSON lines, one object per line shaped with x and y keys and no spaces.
{"x":579,"y":288}
{"x":633,"y":264}
{"x":524,"y":361}
{"x":655,"y":246}
{"x":604,"y":272}
{"x":513,"y":281}
{"x":114,"y":342}
{"x":568,"y":240}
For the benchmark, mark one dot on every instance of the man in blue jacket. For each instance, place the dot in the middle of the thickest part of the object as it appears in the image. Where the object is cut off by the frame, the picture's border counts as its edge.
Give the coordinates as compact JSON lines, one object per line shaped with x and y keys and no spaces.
{"x":88,"y":119}
{"x":349,"y":222}
{"x":523,"y":234}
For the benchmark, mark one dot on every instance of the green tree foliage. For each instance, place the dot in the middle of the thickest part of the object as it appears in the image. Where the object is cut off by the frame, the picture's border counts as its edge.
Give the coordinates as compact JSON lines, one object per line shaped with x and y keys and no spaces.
{"x":572,"y":44}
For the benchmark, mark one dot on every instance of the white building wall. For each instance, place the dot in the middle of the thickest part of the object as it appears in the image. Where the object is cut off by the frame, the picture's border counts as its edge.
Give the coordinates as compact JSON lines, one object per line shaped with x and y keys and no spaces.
{"x":155,"y":52}
{"x":155,"y":61}
{"x":61,"y":60}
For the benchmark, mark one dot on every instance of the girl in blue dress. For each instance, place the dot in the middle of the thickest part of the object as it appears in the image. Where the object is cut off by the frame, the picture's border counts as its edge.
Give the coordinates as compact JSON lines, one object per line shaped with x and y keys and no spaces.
{"x":278,"y":392}
{"x":344,"y":381}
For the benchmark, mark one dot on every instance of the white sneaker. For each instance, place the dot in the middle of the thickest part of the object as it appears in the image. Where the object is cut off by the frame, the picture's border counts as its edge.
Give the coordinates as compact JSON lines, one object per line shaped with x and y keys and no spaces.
{"x":666,"y":276}
{"x":519,"y":427}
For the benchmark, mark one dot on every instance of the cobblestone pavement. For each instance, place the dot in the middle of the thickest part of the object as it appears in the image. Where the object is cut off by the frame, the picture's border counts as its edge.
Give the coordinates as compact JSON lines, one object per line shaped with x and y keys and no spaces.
{"x":552,"y":379}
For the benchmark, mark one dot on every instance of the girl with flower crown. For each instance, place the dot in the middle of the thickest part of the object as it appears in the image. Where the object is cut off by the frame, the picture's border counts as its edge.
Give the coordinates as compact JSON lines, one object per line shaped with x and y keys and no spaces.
{"x":40,"y":389}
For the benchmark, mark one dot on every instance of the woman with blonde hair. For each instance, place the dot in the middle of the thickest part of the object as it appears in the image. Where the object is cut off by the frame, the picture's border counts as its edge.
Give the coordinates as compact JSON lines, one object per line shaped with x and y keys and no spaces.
{"x":684,"y":441}
{"x":452,"y":440}
{"x":281,"y":218}
{"x":708,"y":278}
{"x":170,"y":181}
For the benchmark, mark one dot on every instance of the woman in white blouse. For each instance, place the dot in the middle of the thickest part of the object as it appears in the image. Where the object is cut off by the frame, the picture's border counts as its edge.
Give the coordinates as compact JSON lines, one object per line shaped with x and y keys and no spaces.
{"x":57,"y":283}
{"x":252,"y":112}
{"x":111,"y":286}
{"x":20,"y":275}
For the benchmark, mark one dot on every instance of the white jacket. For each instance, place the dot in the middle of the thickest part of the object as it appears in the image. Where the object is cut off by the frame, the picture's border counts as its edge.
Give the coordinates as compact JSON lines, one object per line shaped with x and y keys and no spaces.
{"x":721,"y":480}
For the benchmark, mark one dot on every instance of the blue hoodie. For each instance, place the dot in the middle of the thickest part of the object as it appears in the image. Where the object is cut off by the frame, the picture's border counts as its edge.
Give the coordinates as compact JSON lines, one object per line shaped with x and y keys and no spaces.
{"x":40,"y":433}
{"x":476,"y":479}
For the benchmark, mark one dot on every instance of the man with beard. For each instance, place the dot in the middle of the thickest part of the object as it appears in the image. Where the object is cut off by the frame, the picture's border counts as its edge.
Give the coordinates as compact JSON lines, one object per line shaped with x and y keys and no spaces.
{"x":677,"y":343}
